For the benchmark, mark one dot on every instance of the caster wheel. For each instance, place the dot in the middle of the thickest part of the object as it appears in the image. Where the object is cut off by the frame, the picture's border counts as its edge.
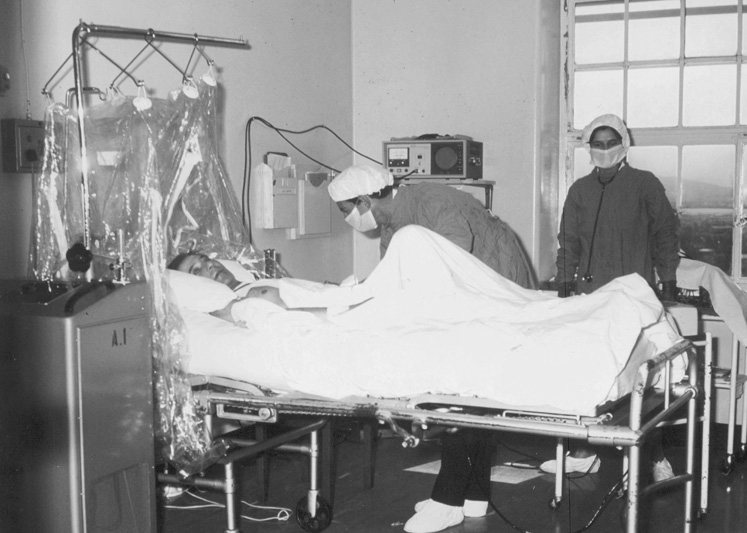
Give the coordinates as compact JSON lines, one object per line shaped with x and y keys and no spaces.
{"x":554,"y":504}
{"x":728,"y":465}
{"x":321,"y":519}
{"x":702,"y":513}
{"x":742,"y":453}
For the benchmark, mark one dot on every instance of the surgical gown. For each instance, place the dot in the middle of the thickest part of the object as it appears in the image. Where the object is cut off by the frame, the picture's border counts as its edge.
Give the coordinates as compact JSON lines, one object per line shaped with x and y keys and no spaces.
{"x":463,"y":220}
{"x":636,"y":231}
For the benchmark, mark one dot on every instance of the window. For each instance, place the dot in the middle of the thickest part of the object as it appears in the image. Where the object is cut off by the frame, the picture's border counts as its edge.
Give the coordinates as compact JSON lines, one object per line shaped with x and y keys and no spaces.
{"x":674,"y":71}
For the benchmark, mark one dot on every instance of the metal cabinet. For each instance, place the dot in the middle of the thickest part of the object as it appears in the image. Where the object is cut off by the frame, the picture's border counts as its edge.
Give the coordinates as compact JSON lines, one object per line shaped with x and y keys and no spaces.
{"x":77,"y":371}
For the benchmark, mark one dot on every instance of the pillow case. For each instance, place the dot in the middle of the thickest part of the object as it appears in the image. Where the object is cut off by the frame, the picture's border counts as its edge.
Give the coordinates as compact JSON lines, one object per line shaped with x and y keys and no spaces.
{"x":198,"y":293}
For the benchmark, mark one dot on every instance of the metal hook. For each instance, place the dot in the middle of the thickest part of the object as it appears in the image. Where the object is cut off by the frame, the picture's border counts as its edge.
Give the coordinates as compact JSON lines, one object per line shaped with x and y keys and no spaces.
{"x":122,"y":70}
{"x":150,"y":43}
{"x":114,"y":81}
{"x":44,"y":89}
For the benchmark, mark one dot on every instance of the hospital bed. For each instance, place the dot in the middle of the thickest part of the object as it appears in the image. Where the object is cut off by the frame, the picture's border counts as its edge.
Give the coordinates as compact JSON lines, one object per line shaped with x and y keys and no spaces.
{"x":418,"y":357}
{"x":625,"y":423}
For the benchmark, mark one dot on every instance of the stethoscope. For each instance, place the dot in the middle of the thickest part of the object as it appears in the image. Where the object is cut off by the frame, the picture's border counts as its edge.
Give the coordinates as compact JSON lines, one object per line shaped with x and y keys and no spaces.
{"x":588,"y":278}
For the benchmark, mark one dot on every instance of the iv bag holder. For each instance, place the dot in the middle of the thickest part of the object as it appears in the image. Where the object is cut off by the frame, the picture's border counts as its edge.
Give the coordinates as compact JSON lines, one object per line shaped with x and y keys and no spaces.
{"x":80,"y":33}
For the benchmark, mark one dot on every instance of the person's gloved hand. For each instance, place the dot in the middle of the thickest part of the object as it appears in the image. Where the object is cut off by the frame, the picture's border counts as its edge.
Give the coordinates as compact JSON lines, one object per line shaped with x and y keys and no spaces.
{"x":669,"y":291}
{"x":566,"y":289}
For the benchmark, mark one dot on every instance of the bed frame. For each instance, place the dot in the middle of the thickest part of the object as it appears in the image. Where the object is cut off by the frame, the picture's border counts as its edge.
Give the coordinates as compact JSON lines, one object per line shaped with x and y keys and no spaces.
{"x":624,"y":424}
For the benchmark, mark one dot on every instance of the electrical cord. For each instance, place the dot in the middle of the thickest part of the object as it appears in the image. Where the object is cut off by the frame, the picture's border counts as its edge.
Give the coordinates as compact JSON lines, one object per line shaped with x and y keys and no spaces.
{"x":283,"y":513}
{"x":280,"y":131}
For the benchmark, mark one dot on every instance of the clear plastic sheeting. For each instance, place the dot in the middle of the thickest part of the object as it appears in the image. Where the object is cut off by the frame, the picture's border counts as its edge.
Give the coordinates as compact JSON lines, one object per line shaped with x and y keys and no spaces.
{"x":156,"y":187}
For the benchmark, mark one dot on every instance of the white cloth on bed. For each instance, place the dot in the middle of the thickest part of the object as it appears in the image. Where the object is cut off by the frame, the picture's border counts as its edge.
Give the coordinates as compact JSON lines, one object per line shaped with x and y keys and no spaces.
{"x":436,"y":320}
{"x":728,"y":299}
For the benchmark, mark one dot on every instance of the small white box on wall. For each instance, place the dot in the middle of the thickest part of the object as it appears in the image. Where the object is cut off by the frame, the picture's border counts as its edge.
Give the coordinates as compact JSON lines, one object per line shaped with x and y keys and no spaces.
{"x":277,"y":193}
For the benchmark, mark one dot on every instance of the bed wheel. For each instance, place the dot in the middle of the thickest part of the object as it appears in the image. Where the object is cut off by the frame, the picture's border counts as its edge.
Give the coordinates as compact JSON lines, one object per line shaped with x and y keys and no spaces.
{"x":321,"y":519}
{"x":554,"y":504}
{"x":728,"y":465}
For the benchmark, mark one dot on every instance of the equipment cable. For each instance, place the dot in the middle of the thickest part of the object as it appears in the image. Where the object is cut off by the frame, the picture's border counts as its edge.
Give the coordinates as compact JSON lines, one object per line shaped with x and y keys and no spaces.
{"x":587,"y":276}
{"x":280,"y":131}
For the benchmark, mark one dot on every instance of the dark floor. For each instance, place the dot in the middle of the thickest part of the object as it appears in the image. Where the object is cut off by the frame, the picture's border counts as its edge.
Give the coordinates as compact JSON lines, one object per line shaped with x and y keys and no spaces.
{"x":521,"y":495}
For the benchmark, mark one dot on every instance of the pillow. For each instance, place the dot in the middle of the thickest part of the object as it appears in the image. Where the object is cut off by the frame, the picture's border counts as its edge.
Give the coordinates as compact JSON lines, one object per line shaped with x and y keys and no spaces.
{"x":198,"y":293}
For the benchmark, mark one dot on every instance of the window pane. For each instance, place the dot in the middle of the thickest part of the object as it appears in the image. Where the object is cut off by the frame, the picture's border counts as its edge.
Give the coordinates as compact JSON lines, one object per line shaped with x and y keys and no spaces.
{"x":653,"y":97}
{"x":596,"y":93}
{"x":599,"y":7}
{"x":706,"y":235}
{"x":710,"y":35}
{"x":662,"y":161}
{"x":599,"y":42}
{"x":654,"y":38}
{"x":654,"y":5}
{"x":581,"y":163}
{"x":710,"y":3}
{"x":708,"y":176}
{"x":710,"y":95}
{"x":743,"y":97}
{"x":707,"y":213}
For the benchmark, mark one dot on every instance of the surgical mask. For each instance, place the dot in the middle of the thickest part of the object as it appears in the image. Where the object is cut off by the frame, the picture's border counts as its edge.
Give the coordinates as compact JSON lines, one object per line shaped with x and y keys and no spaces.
{"x":363,"y":223}
{"x":607,"y":158}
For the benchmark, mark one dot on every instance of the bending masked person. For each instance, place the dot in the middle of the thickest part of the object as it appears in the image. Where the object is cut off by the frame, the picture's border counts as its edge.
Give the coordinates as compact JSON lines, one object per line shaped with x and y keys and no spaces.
{"x":367,"y":198}
{"x":616,"y":221}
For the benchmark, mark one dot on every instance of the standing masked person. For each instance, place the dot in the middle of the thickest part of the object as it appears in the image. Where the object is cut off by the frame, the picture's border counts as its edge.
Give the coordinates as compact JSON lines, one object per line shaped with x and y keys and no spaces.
{"x":367,"y":198}
{"x":616,"y":221}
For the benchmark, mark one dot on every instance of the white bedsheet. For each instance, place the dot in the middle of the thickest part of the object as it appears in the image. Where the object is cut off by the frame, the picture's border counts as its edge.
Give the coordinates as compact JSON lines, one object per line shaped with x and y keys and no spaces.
{"x":435,"y":320}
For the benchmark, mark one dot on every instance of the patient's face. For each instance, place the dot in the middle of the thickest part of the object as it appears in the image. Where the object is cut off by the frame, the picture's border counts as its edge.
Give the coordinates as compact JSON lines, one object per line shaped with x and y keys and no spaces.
{"x":201,"y":265}
{"x":271,"y":294}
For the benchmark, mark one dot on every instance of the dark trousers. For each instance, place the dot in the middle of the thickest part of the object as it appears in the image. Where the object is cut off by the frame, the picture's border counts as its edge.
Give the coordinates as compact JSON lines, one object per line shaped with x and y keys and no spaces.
{"x":466,"y":459}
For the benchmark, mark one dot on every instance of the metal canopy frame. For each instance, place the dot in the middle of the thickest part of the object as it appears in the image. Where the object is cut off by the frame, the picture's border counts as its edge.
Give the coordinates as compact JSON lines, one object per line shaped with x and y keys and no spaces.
{"x":80,"y":33}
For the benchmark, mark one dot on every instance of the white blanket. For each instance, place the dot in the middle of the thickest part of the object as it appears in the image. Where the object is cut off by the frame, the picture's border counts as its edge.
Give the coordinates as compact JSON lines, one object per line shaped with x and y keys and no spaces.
{"x":436,"y":320}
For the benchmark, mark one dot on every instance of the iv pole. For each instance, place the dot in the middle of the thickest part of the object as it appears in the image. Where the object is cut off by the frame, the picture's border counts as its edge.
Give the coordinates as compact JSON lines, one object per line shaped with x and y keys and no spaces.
{"x":79,"y":34}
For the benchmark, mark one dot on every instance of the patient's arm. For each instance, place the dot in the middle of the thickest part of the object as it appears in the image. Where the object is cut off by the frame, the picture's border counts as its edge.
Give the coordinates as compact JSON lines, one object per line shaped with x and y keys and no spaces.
{"x":225,"y":313}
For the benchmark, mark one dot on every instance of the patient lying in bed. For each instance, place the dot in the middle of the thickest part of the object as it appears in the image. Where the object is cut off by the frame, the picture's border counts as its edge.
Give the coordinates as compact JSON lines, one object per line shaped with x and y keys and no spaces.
{"x":427,"y":307}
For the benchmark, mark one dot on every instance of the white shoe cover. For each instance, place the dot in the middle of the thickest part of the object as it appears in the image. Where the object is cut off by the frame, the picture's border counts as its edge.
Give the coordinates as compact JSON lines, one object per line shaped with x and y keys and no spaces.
{"x":475,"y":508}
{"x":471,"y":509}
{"x":434,"y":516}
{"x":584,"y":465}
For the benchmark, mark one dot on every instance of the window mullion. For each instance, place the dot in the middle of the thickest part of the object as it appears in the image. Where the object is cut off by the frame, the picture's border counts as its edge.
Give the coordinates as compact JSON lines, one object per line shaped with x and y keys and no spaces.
{"x":681,"y":110}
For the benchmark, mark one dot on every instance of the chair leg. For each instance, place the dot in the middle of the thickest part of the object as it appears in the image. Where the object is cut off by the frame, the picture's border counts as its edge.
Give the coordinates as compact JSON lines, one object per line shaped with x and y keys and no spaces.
{"x":263,"y":466}
{"x":369,"y":452}
{"x":328,"y":463}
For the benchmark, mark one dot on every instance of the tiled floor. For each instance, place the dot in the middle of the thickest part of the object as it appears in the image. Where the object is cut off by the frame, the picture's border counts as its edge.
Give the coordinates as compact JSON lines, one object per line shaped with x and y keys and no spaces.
{"x":520,"y":495}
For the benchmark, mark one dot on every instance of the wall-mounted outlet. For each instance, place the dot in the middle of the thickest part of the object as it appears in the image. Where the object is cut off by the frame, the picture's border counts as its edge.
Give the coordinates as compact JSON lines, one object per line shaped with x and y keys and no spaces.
{"x":23,"y":145}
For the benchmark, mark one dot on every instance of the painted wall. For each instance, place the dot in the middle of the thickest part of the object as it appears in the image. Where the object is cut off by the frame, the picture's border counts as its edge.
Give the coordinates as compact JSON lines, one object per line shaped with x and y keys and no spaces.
{"x":367,"y":69}
{"x":296,"y":75}
{"x":483,"y":68}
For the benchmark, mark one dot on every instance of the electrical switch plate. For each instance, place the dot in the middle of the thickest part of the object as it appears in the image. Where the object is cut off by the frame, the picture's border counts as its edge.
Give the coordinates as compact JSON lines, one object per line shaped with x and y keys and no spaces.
{"x":23,"y":145}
